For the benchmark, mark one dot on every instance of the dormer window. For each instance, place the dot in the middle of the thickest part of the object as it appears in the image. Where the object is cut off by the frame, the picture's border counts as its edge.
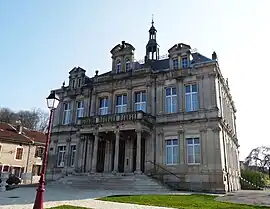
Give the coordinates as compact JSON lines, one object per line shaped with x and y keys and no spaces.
{"x":73,"y":83}
{"x":175,"y":63}
{"x":184,"y":62}
{"x":128,"y":65}
{"x":79,"y":82}
{"x":118,"y":67}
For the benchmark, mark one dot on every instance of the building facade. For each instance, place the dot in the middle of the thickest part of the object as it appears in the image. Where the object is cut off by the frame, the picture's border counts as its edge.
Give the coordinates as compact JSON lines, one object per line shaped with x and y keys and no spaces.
{"x":21,"y":151}
{"x":174,"y":113}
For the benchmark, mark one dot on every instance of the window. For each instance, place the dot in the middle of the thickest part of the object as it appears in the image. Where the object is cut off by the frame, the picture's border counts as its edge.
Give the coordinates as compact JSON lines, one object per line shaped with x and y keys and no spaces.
{"x":140,"y":101}
{"x":19,"y":153}
{"x":79,"y":82}
{"x":118,"y":67}
{"x":184,"y":62}
{"x":103,"y":106}
{"x":171,"y":152}
{"x":171,"y":100}
{"x":73,"y":83}
{"x":175,"y":63}
{"x":191,"y":97}
{"x":121,"y":103}
{"x":39,"y":152}
{"x":6,"y":168}
{"x":193,"y":151}
{"x":80,"y":110}
{"x":67,"y":113}
{"x":128,"y":65}
{"x":72,"y":155}
{"x":61,"y":156}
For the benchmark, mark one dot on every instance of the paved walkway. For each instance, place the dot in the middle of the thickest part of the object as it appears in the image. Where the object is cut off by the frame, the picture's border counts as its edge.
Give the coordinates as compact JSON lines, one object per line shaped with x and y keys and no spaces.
{"x":23,"y":198}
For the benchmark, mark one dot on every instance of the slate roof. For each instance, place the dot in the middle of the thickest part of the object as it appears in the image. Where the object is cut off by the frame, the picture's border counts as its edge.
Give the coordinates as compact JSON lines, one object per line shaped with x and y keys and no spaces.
{"x":9,"y":132}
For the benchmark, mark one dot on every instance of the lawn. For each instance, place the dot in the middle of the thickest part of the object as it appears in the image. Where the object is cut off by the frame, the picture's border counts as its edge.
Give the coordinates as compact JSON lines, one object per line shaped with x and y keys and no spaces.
{"x":180,"y":201}
{"x":67,"y":207}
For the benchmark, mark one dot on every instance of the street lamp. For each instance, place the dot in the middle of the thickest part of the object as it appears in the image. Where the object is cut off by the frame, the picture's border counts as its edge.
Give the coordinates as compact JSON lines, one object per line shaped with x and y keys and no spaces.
{"x":52,"y":103}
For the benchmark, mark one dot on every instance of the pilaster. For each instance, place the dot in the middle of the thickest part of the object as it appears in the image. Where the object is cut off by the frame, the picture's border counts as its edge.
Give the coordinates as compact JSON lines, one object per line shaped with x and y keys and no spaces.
{"x":129,"y":102}
{"x":138,"y":151}
{"x":116,"y":155}
{"x":204,"y":143}
{"x":181,"y":139}
{"x":149,"y":98}
{"x":95,"y":152}
{"x":93,"y":103}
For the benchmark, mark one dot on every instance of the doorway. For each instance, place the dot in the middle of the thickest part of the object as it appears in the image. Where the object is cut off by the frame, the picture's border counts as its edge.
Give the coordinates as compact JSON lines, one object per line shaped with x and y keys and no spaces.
{"x":101,"y":156}
{"x":121,"y":160}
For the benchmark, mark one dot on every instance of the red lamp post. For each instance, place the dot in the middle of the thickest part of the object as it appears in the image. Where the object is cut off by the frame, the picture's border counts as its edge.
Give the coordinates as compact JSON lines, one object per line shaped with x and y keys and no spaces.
{"x":52,"y":103}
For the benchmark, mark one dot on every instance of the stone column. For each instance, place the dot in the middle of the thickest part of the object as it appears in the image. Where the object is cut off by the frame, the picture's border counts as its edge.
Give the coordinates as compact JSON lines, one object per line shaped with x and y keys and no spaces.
{"x":131,"y":148}
{"x":149,"y":99}
{"x":78,"y":145}
{"x":89,"y":153}
{"x":138,"y":152}
{"x":93,"y":104}
{"x":181,"y":139}
{"x":116,"y":153}
{"x":95,"y":152}
{"x":67,"y":154}
{"x":107,"y":156}
{"x":129,"y":100}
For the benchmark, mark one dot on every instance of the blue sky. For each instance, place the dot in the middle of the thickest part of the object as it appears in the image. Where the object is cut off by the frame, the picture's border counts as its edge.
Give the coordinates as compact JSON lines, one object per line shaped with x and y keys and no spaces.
{"x":41,"y":41}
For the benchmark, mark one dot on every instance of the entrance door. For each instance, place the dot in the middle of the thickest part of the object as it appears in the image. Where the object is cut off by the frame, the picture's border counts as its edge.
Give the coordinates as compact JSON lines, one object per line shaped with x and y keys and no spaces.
{"x":101,"y":156}
{"x":121,"y":161}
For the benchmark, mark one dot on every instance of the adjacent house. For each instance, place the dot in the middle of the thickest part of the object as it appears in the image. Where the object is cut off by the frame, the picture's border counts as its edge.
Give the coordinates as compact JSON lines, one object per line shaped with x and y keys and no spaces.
{"x":21,"y":150}
{"x":174,"y":112}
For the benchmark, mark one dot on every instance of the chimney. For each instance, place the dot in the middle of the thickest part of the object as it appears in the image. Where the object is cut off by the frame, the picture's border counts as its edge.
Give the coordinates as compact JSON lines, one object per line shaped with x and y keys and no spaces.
{"x":19,"y":126}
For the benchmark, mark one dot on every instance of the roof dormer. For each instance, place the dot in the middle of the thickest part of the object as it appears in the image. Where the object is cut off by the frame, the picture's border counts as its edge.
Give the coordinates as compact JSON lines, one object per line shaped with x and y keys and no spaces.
{"x":180,"y":56}
{"x":76,"y":78}
{"x":122,"y":57}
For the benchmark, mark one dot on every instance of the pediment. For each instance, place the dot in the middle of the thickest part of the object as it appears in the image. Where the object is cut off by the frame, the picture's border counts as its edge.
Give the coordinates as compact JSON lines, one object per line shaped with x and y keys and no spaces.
{"x":76,"y":70}
{"x":179,"y":47}
{"x":122,"y":47}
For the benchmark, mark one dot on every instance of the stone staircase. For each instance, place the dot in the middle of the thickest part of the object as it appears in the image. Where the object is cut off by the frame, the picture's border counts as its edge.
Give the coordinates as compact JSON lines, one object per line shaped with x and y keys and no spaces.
{"x":127,"y":182}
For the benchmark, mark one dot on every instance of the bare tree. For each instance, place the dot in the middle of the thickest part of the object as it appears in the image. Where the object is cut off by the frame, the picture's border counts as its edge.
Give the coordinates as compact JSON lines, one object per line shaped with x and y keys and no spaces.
{"x":35,"y":119}
{"x":260,"y":158}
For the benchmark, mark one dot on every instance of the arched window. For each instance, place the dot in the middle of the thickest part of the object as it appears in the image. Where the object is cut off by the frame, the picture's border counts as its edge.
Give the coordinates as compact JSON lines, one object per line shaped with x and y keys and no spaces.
{"x":118,"y":66}
{"x":128,"y":65}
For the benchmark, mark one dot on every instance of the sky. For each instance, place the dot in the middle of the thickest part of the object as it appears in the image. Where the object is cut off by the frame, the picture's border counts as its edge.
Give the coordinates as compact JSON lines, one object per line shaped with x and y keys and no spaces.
{"x":41,"y":41}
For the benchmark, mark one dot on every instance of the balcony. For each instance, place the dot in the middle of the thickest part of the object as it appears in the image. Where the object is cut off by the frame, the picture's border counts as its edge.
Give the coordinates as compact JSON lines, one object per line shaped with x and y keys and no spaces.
{"x":118,"y":117}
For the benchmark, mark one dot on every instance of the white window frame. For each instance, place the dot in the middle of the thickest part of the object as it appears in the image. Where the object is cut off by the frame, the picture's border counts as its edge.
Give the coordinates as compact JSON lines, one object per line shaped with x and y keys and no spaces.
{"x":140,"y":104}
{"x":171,"y":146}
{"x":122,"y":107}
{"x":184,"y":61}
{"x":128,"y":65}
{"x":61,"y":163}
{"x":192,"y":94}
{"x":72,"y":155}
{"x":175,"y":63}
{"x":193,"y":145}
{"x":79,"y":110}
{"x":171,"y":97}
{"x":15,"y":157}
{"x":103,"y":110}
{"x":118,"y":67}
{"x":67,"y":113}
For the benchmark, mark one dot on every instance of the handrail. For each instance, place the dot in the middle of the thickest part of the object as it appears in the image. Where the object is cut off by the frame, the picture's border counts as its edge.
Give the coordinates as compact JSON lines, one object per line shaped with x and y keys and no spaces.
{"x":163,"y":168}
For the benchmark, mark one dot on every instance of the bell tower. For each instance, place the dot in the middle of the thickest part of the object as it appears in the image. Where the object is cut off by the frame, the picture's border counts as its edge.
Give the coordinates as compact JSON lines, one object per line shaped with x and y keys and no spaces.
{"x":152,"y":48}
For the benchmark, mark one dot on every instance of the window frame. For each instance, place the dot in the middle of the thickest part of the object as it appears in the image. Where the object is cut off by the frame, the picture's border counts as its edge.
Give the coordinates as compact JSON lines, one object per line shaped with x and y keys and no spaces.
{"x":58,"y":163}
{"x":140,"y":103}
{"x":128,"y":65}
{"x":172,"y":146}
{"x":191,"y":94}
{"x":16,"y":152}
{"x":73,"y":83}
{"x":105,"y":108}
{"x":171,"y":97}
{"x":118,"y":66}
{"x":184,"y":62}
{"x":79,"y":84}
{"x":193,"y":138}
{"x":122,"y":106}
{"x":39,"y":150}
{"x":65,"y":112}
{"x":72,"y":155}
{"x":175,"y":67}
{"x":79,"y":110}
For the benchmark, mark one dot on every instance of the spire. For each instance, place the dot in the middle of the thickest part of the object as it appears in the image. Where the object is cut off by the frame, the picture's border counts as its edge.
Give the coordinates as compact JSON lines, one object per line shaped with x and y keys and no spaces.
{"x":152,"y":19}
{"x":152,"y":50}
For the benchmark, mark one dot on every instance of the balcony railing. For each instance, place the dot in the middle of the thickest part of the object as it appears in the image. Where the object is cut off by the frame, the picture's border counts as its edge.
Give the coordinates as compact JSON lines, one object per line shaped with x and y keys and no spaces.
{"x":117,"y":117}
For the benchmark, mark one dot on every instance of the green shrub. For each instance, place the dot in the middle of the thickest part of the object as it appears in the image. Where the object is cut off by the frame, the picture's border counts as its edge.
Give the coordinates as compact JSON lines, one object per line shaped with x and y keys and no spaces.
{"x":254,"y":177}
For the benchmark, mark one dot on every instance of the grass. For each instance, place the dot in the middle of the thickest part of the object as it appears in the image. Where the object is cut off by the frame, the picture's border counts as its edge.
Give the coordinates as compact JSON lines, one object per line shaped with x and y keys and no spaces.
{"x":67,"y":207}
{"x":180,"y":201}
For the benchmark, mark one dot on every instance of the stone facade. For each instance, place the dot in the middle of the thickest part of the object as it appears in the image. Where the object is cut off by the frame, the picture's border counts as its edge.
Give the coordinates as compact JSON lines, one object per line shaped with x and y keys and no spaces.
{"x":171,"y":115}
{"x":20,"y":151}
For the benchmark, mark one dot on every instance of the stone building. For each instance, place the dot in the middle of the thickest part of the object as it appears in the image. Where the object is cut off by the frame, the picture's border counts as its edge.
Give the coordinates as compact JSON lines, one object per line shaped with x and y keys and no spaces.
{"x":170,"y":115}
{"x":21,"y":151}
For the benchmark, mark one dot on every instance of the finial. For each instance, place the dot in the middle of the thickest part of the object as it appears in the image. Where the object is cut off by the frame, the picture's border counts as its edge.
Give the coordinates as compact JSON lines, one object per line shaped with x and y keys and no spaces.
{"x":152,"y":19}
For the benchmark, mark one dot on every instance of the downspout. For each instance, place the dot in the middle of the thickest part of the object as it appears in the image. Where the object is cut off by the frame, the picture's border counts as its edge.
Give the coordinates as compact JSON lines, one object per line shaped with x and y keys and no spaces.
{"x":223,"y":139}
